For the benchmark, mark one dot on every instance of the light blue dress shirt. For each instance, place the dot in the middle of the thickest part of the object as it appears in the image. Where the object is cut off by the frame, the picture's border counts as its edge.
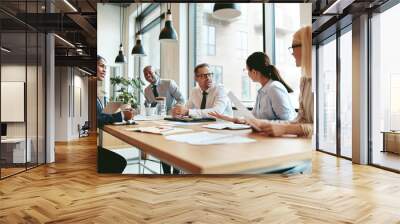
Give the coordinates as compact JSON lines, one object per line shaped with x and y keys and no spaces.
{"x":273,"y":103}
{"x":165,"y":88}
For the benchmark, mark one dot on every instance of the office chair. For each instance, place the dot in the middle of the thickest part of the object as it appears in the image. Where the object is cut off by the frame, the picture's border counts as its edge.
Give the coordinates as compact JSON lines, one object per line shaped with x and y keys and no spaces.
{"x":84,"y":130}
{"x":109,"y":161}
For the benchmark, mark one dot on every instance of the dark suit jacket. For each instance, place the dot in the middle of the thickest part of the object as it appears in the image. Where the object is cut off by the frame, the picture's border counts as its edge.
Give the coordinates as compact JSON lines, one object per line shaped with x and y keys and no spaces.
{"x":103,"y":118}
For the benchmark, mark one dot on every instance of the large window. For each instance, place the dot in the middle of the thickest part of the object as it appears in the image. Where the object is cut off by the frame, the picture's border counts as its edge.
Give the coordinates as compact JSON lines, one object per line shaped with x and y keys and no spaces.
{"x":209,"y":40}
{"x":226,"y":45}
{"x":150,"y":41}
{"x":327,"y":96}
{"x":334,"y":109}
{"x":346,"y":93}
{"x":229,"y":43}
{"x":289,"y":18}
{"x":385,"y":88}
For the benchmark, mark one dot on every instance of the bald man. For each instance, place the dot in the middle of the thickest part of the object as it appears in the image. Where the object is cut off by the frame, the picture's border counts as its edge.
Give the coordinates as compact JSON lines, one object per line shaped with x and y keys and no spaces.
{"x":161,"y":88}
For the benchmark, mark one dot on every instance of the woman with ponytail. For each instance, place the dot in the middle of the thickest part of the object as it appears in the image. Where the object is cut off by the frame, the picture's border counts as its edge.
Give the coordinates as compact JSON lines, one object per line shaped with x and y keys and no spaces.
{"x":273,"y":102}
{"x":302,"y":125}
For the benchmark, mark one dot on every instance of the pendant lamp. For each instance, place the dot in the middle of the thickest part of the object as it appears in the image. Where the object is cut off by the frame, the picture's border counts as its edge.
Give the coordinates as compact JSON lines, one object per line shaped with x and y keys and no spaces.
{"x":138,"y":49}
{"x":226,"y":11}
{"x":120,"y":57}
{"x":168,"y":33}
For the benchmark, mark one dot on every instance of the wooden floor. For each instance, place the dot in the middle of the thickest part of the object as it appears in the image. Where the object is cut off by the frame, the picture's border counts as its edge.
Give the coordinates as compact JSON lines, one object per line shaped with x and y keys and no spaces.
{"x":70,"y":191}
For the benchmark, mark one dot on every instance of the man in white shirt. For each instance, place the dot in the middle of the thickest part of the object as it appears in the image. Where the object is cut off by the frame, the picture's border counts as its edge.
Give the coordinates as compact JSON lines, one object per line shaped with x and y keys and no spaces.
{"x":161,"y":88}
{"x":205,"y":98}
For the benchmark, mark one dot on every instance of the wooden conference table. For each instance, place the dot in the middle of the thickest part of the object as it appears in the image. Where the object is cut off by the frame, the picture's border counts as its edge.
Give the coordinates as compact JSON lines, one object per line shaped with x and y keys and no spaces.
{"x":255,"y":157}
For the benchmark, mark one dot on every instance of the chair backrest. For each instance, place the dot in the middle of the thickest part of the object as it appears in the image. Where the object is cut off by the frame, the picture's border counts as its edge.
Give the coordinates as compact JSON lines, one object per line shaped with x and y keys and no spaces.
{"x":109,"y":161}
{"x":86,"y":125}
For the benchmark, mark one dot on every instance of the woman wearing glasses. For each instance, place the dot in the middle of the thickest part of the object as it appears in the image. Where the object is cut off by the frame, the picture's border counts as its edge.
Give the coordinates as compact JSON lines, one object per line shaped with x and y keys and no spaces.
{"x":273,"y":102}
{"x":302,"y":125}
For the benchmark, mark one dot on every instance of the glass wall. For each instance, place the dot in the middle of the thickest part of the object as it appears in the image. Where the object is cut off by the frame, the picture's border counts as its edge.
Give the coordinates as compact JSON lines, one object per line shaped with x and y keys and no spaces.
{"x":385,"y":89}
{"x":327,"y":96}
{"x":22,"y":94}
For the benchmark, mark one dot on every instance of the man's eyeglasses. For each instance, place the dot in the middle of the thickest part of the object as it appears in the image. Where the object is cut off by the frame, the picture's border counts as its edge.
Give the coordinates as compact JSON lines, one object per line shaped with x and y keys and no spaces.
{"x":206,"y":75}
{"x":293,"y":47}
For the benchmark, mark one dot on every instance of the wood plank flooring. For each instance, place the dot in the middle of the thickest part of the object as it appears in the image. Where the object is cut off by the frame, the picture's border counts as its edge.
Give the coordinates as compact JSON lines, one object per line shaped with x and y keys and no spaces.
{"x":70,"y":191}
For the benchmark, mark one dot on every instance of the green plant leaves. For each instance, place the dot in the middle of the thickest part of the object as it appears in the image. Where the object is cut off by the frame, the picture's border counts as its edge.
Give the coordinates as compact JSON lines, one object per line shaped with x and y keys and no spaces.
{"x":129,"y":89}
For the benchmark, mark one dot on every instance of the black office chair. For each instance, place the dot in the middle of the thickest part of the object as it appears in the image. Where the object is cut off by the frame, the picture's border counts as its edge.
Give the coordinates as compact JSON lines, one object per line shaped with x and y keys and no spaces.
{"x":84,"y":130}
{"x":109,"y":161}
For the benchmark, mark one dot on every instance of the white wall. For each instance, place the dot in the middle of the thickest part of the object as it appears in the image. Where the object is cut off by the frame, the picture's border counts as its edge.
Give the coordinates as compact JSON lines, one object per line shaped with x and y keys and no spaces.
{"x":108,"y":39}
{"x":70,"y":84}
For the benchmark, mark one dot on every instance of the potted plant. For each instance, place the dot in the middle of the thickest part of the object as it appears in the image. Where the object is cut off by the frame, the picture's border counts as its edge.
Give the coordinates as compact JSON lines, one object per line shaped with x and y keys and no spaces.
{"x":128,"y":90}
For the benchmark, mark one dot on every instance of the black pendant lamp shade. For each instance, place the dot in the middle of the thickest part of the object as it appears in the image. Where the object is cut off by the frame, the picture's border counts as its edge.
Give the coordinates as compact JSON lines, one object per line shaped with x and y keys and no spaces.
{"x":168,"y":33}
{"x":226,"y":11}
{"x":120,"y":58}
{"x":138,"y":50}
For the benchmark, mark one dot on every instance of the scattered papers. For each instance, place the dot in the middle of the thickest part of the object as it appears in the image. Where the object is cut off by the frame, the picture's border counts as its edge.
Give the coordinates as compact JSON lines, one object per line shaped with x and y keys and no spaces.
{"x":229,"y":126}
{"x":208,"y":138}
{"x":174,"y":123}
{"x":242,"y":110}
{"x":160,"y":130}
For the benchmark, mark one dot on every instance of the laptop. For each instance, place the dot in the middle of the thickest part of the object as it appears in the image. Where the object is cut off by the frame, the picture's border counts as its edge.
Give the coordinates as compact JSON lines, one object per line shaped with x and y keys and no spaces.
{"x":190,"y":119}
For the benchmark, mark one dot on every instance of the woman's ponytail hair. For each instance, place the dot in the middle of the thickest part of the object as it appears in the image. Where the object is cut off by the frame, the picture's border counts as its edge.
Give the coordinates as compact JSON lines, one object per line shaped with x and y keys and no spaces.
{"x":259,"y":61}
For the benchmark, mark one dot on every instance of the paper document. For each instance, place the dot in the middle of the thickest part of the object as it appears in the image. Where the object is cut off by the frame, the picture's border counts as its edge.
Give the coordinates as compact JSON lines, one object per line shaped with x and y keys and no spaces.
{"x":140,"y":117}
{"x":242,"y":109}
{"x":112,"y":107}
{"x":160,"y":130}
{"x":227,"y":125}
{"x":173,"y":123}
{"x":208,"y":138}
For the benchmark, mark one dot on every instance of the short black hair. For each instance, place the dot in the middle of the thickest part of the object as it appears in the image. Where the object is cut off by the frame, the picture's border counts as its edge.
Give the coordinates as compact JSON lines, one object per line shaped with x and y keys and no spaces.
{"x":200,"y":66}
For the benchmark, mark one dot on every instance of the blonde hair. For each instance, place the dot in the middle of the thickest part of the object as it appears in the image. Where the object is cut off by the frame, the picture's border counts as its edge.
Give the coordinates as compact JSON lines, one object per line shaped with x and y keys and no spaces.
{"x":304,"y":37}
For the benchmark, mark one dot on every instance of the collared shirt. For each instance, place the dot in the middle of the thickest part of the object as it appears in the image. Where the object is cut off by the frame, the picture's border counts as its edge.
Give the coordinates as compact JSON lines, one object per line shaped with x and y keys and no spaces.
{"x":273,"y":102}
{"x":217,"y":101}
{"x":166,"y":88}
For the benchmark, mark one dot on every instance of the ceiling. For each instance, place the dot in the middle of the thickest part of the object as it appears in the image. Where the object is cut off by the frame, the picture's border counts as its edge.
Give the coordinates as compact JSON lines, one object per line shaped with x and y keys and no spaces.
{"x":75,"y":21}
{"x":21,"y":21}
